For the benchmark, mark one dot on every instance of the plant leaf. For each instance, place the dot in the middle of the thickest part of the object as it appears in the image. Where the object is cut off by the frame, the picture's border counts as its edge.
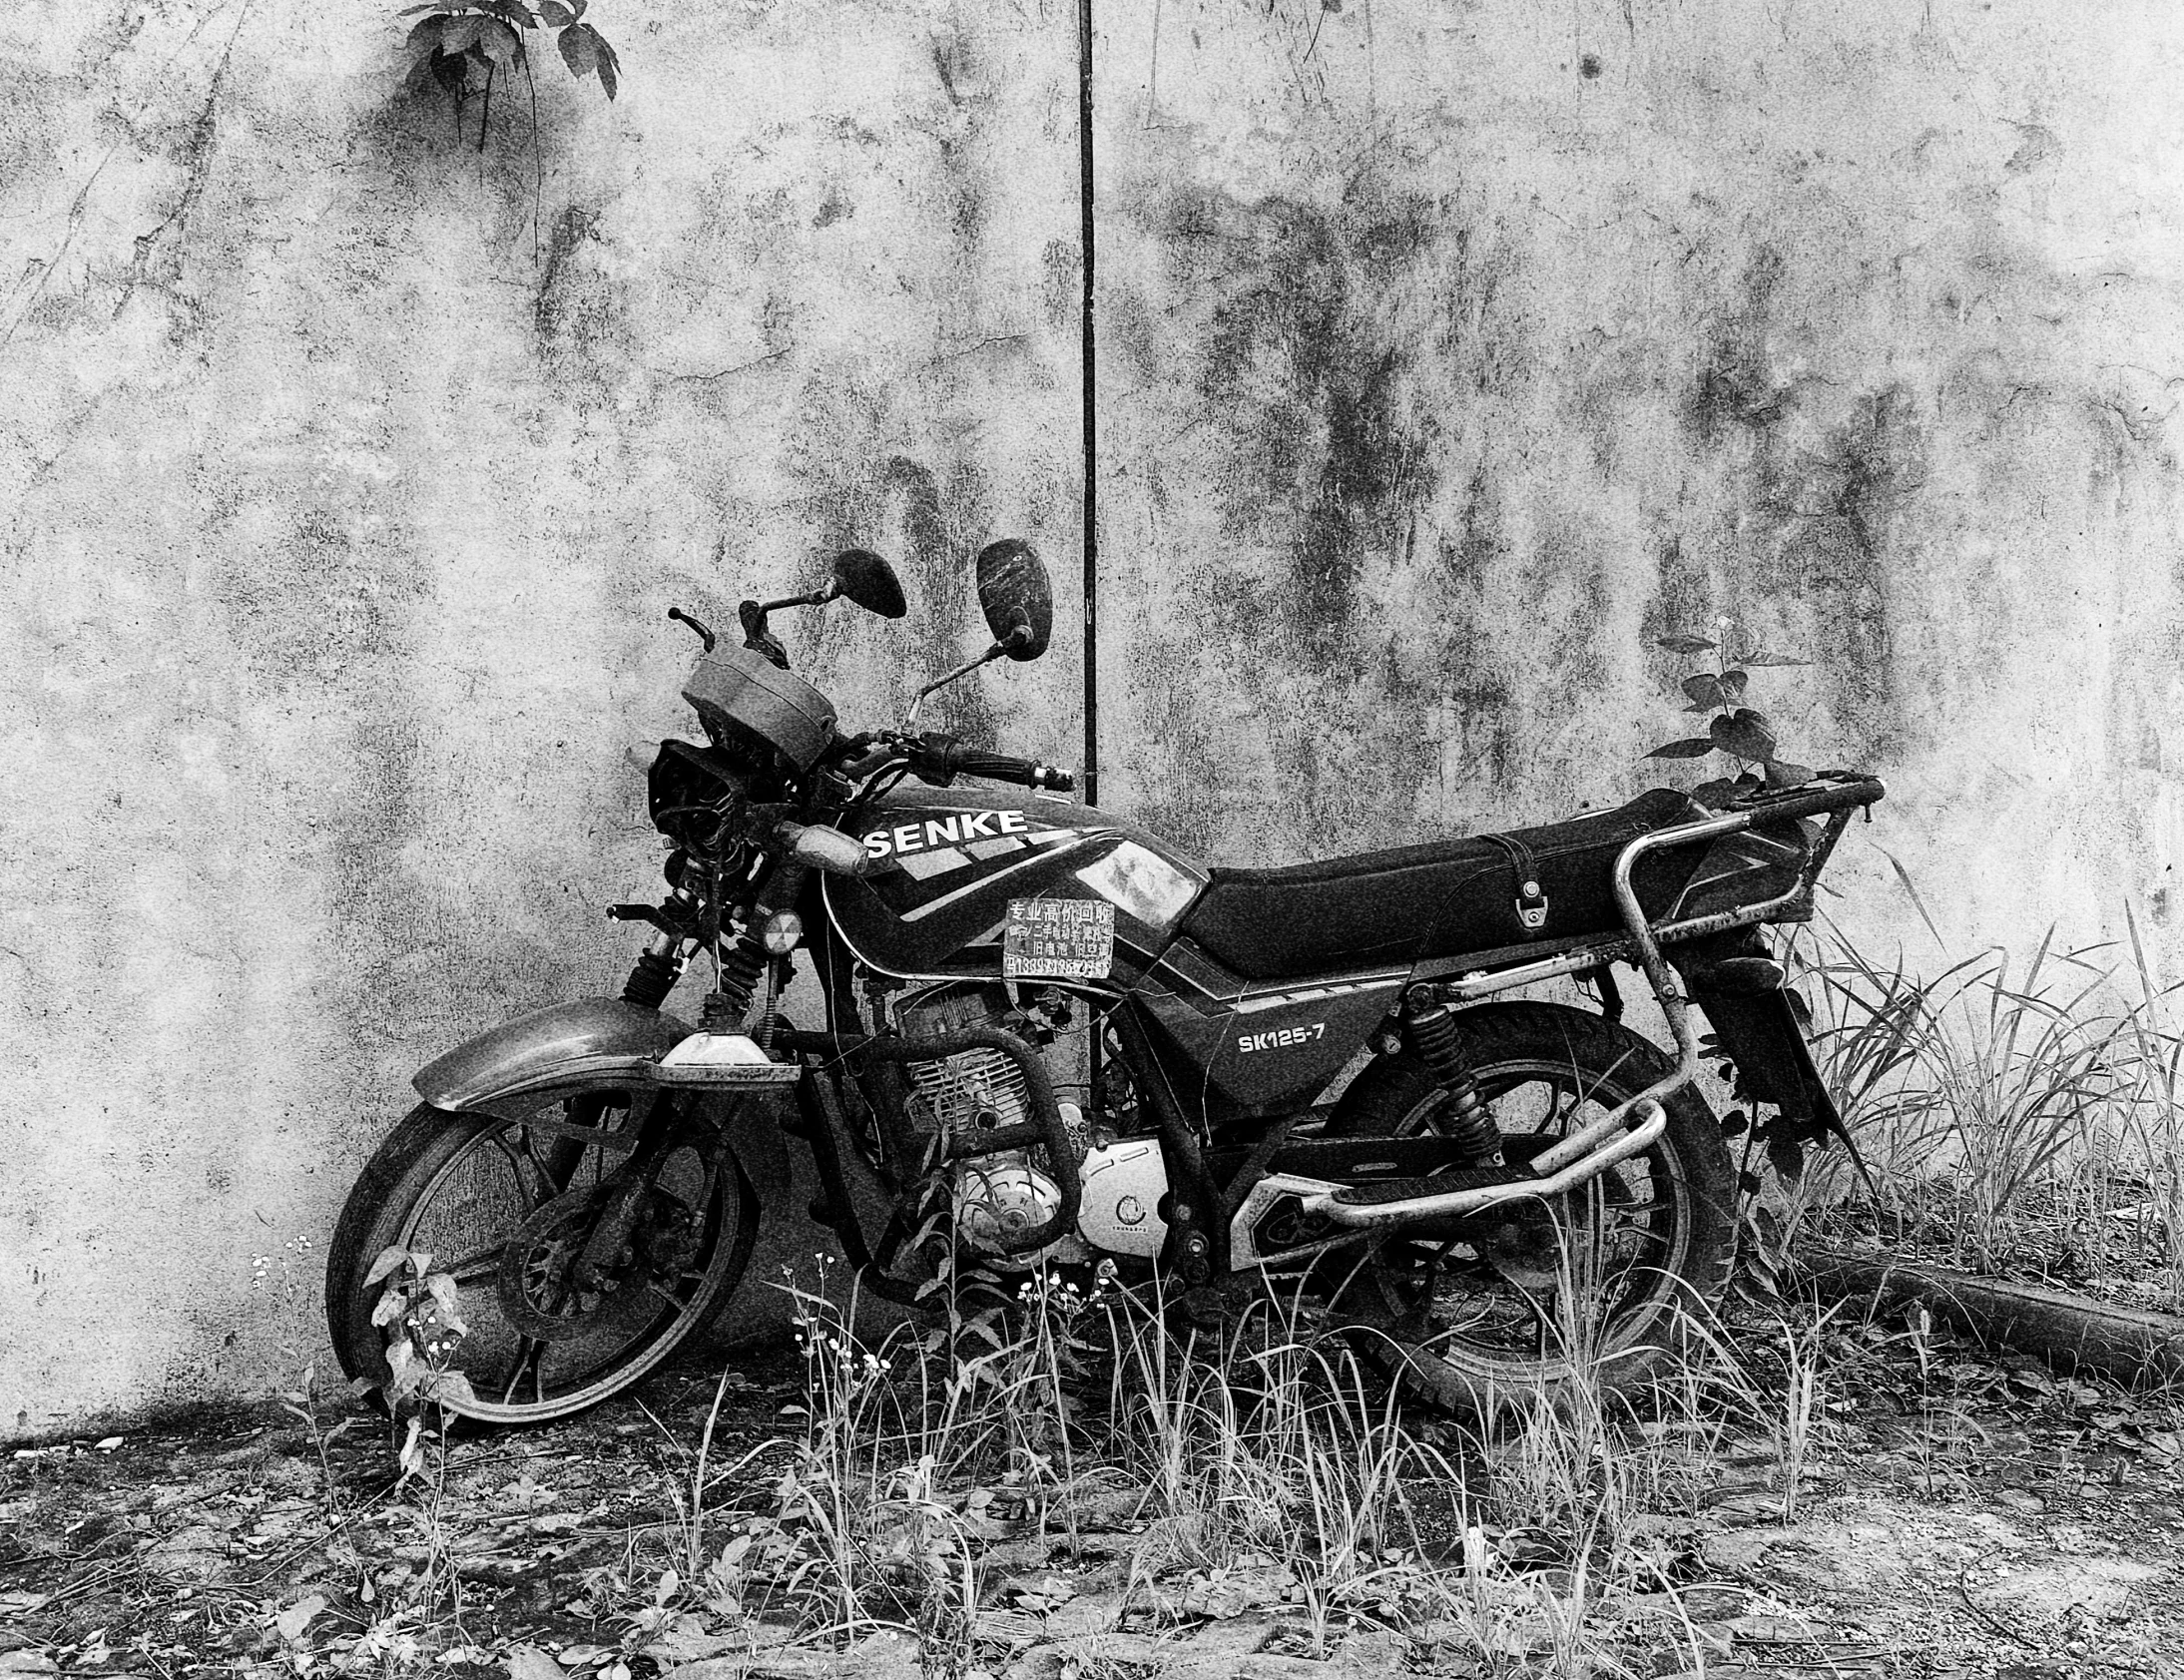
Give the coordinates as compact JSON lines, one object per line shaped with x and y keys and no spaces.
{"x":391,"y":1307}
{"x":443,"y":7}
{"x":498,"y":42}
{"x":1763,"y":657}
{"x":1783,"y":774}
{"x":1744,"y":732}
{"x":577,"y":51}
{"x":1704,"y":691}
{"x":450,"y":70}
{"x":449,"y":1387}
{"x":610,"y":67}
{"x":555,"y":15}
{"x":1733,"y":683}
{"x":426,"y":36}
{"x":462,"y":33}
{"x":510,"y":12}
{"x":1717,"y":794}
{"x":1691,"y":746}
{"x":389,"y":1259}
{"x":1680,"y":643}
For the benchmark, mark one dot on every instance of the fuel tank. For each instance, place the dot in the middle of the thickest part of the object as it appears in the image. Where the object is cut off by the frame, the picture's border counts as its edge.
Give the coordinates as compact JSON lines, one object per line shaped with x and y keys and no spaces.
{"x":949,"y":861}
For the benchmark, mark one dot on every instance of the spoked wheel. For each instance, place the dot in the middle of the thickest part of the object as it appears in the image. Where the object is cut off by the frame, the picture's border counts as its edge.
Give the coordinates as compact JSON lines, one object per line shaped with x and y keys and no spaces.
{"x":1594,"y":1286}
{"x":512,"y":1213}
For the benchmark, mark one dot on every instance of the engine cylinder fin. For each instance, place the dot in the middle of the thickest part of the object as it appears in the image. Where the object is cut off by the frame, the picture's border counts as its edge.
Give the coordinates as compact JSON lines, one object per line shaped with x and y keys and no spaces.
{"x":977,"y":1090}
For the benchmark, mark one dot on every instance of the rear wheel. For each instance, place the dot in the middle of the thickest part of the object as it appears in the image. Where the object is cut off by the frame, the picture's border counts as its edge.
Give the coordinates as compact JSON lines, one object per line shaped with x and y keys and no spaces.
{"x":1595,"y":1287}
{"x":507,"y":1209}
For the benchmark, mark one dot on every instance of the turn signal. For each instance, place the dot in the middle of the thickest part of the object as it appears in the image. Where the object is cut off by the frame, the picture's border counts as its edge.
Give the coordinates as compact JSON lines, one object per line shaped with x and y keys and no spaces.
{"x":828,"y":850}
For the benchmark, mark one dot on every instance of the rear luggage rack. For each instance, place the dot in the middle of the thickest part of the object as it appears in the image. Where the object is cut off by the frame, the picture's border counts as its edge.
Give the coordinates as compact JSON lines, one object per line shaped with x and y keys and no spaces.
{"x":1632,"y":1126}
{"x":1478,"y":974}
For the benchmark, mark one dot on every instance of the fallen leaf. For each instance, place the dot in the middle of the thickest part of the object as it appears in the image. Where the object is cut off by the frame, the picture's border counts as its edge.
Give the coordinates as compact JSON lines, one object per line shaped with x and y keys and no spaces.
{"x":528,"y":1662}
{"x":297,"y":1617}
{"x":111,"y":1441}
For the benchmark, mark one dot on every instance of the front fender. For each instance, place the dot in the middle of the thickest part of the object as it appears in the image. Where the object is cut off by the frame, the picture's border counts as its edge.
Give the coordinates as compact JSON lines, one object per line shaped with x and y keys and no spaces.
{"x":567,"y":1045}
{"x":596,"y":1041}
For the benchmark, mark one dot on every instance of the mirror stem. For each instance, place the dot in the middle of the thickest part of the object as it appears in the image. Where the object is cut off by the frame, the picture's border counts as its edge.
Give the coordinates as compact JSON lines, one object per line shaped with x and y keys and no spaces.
{"x":988,"y":656}
{"x":817,"y":598}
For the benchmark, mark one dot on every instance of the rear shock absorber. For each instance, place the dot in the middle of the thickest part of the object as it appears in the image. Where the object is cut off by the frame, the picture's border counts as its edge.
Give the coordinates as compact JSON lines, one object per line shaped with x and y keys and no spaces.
{"x":1466,"y":1121}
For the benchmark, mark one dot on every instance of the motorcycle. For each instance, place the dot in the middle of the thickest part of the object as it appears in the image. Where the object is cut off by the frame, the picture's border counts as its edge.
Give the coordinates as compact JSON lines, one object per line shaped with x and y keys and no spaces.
{"x":1046,"y":1038}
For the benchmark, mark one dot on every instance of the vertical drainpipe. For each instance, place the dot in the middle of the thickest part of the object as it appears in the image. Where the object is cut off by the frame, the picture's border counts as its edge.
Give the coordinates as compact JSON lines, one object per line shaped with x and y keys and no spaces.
{"x":1091,"y":422}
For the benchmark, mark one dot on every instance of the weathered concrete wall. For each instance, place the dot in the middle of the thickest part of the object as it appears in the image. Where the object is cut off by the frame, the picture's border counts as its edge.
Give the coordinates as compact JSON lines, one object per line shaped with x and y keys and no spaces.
{"x":1453,"y":351}
{"x":1449,"y":353}
{"x":341,"y":529}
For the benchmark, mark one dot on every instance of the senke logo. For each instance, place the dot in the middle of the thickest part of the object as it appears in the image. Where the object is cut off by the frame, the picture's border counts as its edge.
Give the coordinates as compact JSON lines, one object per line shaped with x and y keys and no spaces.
{"x":945,"y":831}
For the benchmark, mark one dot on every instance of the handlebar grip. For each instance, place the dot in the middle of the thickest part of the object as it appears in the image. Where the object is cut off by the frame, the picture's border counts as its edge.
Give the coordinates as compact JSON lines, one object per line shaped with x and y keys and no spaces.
{"x":1000,"y":767}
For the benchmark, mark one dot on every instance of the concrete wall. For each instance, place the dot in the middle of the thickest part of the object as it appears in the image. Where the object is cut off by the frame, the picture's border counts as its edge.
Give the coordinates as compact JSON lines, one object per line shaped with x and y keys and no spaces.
{"x":1449,"y":353}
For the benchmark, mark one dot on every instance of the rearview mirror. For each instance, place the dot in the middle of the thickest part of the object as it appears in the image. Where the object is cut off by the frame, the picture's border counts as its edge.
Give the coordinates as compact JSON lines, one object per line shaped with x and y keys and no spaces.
{"x":1016,"y":596}
{"x":863,"y":577}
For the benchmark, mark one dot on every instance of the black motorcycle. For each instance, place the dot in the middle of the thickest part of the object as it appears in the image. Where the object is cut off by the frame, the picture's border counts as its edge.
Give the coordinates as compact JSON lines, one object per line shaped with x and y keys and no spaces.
{"x":1086,"y":1049}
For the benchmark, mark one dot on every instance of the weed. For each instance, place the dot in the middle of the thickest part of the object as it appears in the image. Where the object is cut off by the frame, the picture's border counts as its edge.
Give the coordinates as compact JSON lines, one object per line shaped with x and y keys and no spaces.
{"x":1982,"y":1092}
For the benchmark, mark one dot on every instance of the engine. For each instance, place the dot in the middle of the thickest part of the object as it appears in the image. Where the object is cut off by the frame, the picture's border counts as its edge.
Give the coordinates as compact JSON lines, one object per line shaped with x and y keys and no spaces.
{"x":999,"y":1195}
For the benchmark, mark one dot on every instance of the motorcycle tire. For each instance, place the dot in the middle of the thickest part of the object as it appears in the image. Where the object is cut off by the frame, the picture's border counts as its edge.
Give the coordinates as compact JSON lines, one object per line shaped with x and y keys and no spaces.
{"x":1602,"y":1293}
{"x":491,"y":1168}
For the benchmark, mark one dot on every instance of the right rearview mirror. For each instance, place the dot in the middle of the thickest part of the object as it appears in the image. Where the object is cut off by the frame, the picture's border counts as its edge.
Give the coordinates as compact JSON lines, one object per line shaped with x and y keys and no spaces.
{"x":1016,"y":597}
{"x":863,"y":577}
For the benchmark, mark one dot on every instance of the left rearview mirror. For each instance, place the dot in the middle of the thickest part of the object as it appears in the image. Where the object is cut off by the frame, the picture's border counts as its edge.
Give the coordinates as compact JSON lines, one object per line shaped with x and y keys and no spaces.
{"x":863,"y":577}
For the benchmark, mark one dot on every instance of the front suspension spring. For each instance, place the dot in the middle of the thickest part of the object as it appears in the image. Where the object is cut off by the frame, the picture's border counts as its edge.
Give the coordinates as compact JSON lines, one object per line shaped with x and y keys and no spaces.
{"x":1466,"y":1121}
{"x":742,"y":965}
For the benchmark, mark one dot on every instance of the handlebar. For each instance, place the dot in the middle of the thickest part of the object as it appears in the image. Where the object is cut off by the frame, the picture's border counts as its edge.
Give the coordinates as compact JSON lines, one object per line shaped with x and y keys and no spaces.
{"x":939,"y":759}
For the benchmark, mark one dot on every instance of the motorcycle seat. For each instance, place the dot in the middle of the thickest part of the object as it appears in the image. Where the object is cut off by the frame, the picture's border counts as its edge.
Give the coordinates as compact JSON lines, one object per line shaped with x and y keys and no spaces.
{"x":1444,"y":899}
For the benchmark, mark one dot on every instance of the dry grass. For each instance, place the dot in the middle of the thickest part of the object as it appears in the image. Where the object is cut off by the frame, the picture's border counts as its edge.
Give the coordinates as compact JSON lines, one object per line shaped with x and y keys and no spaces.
{"x":1256,"y":1465}
{"x":2014,"y":1113}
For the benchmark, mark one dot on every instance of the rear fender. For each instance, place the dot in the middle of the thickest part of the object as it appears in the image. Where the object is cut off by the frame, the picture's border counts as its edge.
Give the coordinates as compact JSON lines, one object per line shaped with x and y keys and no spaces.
{"x":1761,"y":1035}
{"x":590,"y":1044}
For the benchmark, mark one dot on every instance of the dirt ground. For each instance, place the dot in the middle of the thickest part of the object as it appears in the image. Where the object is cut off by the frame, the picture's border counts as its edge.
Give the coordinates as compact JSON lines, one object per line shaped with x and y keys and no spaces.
{"x":1958,"y":1516}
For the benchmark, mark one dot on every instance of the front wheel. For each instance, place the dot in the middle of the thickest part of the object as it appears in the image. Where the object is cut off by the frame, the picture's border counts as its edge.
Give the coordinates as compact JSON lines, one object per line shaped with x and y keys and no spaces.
{"x":1600,"y":1286}
{"x":509,"y":1210}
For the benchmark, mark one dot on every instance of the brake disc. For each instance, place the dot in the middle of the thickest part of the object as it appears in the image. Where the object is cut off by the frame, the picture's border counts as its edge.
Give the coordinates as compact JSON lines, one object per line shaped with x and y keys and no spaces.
{"x":537,"y":1287}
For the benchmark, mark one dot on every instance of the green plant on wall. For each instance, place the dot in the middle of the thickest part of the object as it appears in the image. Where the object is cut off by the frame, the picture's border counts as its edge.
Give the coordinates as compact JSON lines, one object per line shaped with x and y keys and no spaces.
{"x":1737,"y":731}
{"x":464,"y":47}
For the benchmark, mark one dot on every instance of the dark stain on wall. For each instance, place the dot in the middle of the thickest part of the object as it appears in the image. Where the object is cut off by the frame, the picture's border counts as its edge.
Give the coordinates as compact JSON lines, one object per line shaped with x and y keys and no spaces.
{"x":1837,"y":511}
{"x":1305,"y":360}
{"x":1734,"y":390}
{"x":578,"y":313}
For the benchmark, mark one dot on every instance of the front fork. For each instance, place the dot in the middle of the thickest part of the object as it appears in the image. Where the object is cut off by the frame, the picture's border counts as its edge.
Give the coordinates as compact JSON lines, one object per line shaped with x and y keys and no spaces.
{"x":665,"y":1127}
{"x":689,"y":923}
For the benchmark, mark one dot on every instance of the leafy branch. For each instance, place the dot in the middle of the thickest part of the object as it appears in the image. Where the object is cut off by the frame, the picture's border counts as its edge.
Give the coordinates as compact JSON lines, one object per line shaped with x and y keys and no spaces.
{"x":1737,"y":731}
{"x":417,"y":1309}
{"x":463,"y":47}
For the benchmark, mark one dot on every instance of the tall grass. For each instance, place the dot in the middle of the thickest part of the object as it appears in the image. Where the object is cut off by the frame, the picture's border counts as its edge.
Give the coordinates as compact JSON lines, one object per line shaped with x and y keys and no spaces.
{"x":2002,"y":1107}
{"x":1256,"y":1459}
